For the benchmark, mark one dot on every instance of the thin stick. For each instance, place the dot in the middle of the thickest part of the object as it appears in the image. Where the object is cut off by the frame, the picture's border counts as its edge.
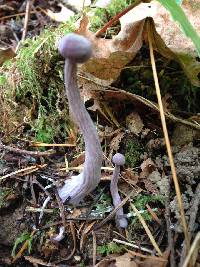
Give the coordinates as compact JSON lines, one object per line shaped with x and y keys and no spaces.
{"x":195,"y":245}
{"x":16,"y":15}
{"x":62,"y":209}
{"x":116,"y":18}
{"x":167,"y":219}
{"x":30,"y":169}
{"x":112,"y":214}
{"x":26,"y":152}
{"x":132,"y":245}
{"x":167,"y":141}
{"x":38,"y":144}
{"x":94,"y":256}
{"x":26,"y":19}
{"x":193,"y":214}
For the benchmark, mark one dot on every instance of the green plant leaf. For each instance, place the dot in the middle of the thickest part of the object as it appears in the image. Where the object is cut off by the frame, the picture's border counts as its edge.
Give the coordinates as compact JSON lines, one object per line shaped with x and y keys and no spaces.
{"x":24,"y":237}
{"x":179,"y":2}
{"x":109,"y":248}
{"x":178,"y":15}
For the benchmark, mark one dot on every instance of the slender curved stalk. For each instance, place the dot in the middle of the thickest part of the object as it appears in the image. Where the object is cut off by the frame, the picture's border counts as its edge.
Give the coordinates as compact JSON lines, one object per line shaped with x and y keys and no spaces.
{"x":79,"y":186}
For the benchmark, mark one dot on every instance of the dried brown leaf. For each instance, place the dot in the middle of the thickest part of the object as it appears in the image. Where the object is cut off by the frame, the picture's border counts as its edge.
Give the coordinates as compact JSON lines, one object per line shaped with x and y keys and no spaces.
{"x":39,"y":261}
{"x":62,"y":16}
{"x":111,"y":55}
{"x":147,"y":167}
{"x":149,"y":262}
{"x":5,"y":54}
{"x":134,"y":123}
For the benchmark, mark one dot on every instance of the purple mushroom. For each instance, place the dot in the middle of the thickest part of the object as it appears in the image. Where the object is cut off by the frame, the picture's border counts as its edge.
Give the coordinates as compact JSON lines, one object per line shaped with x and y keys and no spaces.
{"x":77,"y":49}
{"x":119,"y":160}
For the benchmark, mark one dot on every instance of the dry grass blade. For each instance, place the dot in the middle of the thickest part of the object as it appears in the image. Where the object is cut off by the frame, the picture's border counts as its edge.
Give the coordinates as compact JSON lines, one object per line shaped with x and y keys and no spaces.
{"x":146,"y":229}
{"x":24,"y":171}
{"x":193,"y":252}
{"x":39,"y":144}
{"x":167,"y":141}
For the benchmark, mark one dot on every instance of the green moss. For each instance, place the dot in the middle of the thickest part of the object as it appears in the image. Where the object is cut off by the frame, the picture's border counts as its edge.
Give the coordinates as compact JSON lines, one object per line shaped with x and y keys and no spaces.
{"x":140,"y":203}
{"x":110,"y":248}
{"x":38,"y":91}
{"x":37,"y":95}
{"x":142,"y":200}
{"x":102,"y":16}
{"x":133,"y":152}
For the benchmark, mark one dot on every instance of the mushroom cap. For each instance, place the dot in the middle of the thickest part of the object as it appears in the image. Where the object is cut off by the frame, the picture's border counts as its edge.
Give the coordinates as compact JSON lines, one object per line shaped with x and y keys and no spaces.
{"x":75,"y":47}
{"x":118,"y":159}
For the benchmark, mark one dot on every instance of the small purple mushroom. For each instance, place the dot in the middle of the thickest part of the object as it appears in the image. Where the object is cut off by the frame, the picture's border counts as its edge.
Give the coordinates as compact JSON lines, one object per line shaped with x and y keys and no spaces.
{"x":119,"y":160}
{"x":77,"y":49}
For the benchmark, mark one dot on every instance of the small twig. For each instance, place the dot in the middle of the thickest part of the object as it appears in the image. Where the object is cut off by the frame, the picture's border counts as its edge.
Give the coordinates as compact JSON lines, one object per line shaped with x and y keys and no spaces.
{"x":37,"y":144}
{"x":43,"y":207}
{"x":194,"y":246}
{"x":116,"y":18}
{"x":194,"y":208}
{"x":80,"y":168}
{"x":35,"y":181}
{"x":112,"y":214}
{"x":26,"y":19}
{"x":132,"y":245}
{"x":29,"y":169}
{"x":167,"y":219}
{"x":193,"y":214}
{"x":31,"y":209}
{"x":19,"y":14}
{"x":62,"y":209}
{"x":26,"y":152}
{"x":153,"y":214}
{"x":94,"y":247}
{"x":32,"y":190}
{"x":167,"y":141}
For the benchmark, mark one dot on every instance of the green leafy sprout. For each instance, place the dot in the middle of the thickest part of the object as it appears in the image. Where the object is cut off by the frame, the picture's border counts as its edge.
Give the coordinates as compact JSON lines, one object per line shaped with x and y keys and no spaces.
{"x":24,"y":237}
{"x":109,"y":248}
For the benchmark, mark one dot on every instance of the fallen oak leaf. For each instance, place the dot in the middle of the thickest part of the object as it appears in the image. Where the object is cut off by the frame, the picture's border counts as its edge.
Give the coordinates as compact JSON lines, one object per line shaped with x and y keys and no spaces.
{"x":64,"y":15}
{"x":110,"y":56}
{"x":125,"y":260}
{"x":5,"y":54}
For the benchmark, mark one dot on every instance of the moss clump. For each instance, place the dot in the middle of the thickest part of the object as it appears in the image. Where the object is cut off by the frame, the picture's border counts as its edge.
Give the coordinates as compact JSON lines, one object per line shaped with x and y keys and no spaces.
{"x":140,"y":203}
{"x":38,"y":90}
{"x":101,"y":16}
{"x":133,"y":152}
{"x":33,"y":85}
{"x":110,"y":248}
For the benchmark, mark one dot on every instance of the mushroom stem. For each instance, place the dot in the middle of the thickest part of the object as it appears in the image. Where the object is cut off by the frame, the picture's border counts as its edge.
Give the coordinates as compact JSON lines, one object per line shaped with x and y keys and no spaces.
{"x":79,"y":186}
{"x":118,"y":160}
